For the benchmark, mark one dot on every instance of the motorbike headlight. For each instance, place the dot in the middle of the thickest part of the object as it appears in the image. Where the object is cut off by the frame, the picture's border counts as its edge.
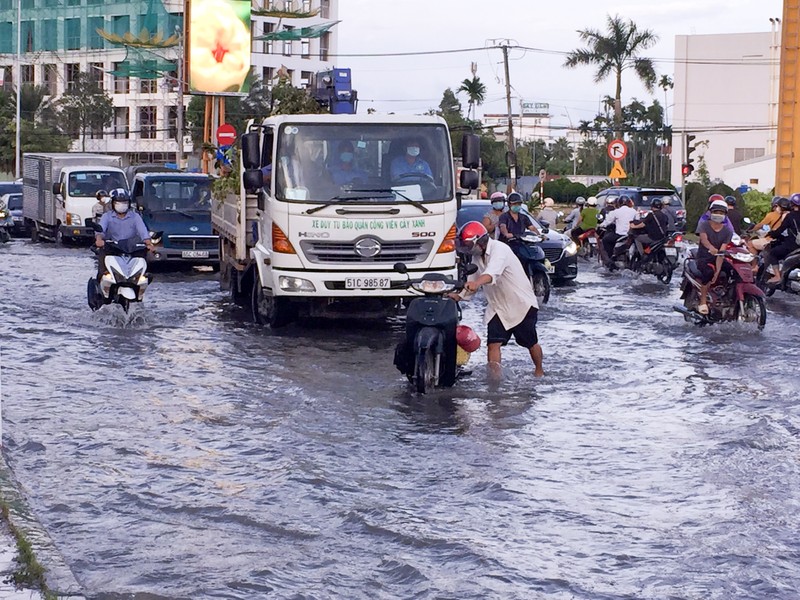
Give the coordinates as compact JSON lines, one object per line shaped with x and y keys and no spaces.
{"x":571,"y":249}
{"x":142,"y":280}
{"x":433,"y":286}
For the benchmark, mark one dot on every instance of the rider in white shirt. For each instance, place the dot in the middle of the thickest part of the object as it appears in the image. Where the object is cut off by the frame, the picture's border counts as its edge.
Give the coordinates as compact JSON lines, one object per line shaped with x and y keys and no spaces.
{"x":621,"y":218}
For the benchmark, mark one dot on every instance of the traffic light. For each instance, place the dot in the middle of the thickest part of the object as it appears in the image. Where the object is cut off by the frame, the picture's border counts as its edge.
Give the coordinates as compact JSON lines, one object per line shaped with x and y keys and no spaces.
{"x":688,"y":166}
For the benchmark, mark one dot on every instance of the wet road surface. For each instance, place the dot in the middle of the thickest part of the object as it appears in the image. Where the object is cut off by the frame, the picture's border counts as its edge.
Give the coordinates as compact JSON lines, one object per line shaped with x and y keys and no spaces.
{"x":184,"y":453}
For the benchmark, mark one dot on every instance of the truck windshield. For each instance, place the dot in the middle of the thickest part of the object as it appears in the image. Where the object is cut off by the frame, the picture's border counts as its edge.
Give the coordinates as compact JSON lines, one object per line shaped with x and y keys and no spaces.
{"x":177,"y":195}
{"x":365,"y":163}
{"x":85,"y":184}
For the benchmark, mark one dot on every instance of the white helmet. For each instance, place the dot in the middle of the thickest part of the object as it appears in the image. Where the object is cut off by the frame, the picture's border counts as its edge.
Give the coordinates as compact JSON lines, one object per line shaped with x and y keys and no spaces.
{"x":549,"y":202}
{"x":592,"y":201}
{"x":580,"y":200}
{"x":718,"y":205}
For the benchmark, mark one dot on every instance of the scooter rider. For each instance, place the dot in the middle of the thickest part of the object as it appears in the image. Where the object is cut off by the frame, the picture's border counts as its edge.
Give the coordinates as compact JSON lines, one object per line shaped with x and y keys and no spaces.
{"x":120,"y":223}
{"x":587,"y":219}
{"x":714,"y":239}
{"x":786,"y":239}
{"x":491,"y":218}
{"x":653,"y":228}
{"x":514,"y":222}
{"x":621,"y":218}
{"x":512,"y":307}
{"x":574,"y":217}
{"x":102,"y":206}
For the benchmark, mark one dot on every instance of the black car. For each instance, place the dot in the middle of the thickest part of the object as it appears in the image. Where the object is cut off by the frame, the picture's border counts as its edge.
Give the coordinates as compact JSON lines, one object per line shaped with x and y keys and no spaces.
{"x":558,"y":248}
{"x":14,"y":204}
{"x":643,"y":196}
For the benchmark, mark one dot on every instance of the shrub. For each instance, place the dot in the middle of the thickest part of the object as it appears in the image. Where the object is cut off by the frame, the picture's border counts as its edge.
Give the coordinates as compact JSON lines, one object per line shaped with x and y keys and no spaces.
{"x":756,"y":205}
{"x":696,"y":204}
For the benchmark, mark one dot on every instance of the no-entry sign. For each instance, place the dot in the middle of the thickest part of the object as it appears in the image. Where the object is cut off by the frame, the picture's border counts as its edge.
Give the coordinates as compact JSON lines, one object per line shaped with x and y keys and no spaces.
{"x":226,"y":134}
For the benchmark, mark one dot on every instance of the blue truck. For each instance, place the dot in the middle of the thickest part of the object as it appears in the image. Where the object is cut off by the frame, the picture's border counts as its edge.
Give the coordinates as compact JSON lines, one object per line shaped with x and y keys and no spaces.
{"x":176,"y":207}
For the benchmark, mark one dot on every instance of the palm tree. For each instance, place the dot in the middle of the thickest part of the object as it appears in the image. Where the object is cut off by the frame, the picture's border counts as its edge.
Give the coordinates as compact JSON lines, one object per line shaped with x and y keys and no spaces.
{"x":615,"y":52}
{"x":475,"y":91}
{"x":665,"y":83}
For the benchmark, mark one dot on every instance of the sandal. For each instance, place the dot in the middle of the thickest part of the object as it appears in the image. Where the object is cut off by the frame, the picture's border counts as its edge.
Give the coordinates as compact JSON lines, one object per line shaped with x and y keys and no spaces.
{"x":702,"y":309}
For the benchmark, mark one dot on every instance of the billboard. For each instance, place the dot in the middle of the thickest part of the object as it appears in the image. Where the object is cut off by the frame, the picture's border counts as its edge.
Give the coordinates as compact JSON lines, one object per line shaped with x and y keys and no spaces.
{"x":218,"y":46}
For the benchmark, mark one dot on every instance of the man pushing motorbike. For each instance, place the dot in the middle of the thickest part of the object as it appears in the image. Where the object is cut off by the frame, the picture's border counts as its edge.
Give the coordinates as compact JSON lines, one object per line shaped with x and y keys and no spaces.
{"x":512,"y":307}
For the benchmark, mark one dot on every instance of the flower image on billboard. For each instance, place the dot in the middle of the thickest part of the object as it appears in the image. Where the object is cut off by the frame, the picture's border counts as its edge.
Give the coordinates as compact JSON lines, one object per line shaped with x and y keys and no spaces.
{"x":219,"y":46}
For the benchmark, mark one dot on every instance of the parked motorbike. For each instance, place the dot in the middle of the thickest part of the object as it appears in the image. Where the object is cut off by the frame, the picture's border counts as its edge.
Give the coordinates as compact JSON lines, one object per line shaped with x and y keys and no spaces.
{"x":735,"y":295}
{"x":125,"y":279}
{"x":790,"y":276}
{"x":429,"y":352}
{"x":6,"y":223}
{"x":537,"y":267}
{"x":660,"y":258}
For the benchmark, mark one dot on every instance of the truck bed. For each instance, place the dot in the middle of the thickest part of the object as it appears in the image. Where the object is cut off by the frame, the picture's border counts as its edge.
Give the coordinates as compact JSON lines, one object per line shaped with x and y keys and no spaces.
{"x":227,"y":222}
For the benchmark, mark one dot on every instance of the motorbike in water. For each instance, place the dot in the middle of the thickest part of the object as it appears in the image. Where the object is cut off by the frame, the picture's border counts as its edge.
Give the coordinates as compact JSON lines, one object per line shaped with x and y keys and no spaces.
{"x":659,"y":258}
{"x":6,"y":223}
{"x":587,"y":244}
{"x":125,"y":279}
{"x":434,"y":347}
{"x":735,"y":295}
{"x":790,"y":276}
{"x":527,"y":248}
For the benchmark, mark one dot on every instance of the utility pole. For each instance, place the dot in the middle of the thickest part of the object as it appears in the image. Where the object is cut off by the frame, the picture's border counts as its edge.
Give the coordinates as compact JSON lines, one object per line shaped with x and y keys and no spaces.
{"x":179,"y":107}
{"x":18,"y":156}
{"x":511,"y":147}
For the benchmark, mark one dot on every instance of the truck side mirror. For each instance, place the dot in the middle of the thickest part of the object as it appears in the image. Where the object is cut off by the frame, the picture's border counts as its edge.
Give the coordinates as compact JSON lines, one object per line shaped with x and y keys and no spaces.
{"x":469,"y":180}
{"x":251,"y":152}
{"x":56,"y":188}
{"x":253,"y":180}
{"x":471,"y":151}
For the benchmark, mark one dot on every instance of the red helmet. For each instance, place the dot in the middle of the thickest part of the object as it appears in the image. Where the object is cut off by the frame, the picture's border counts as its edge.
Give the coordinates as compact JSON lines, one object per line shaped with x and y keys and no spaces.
{"x":715,"y":198}
{"x":472,"y":236}
{"x":467,"y":339}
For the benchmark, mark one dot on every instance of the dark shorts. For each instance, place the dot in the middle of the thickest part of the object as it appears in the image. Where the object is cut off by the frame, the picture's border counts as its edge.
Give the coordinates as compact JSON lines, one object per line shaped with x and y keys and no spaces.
{"x":524,"y":333}
{"x":707,"y":270}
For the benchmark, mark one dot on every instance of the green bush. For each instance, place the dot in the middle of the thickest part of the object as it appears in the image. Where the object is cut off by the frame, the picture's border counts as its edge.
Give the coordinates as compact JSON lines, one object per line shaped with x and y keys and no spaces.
{"x":696,"y":204}
{"x":756,"y":205}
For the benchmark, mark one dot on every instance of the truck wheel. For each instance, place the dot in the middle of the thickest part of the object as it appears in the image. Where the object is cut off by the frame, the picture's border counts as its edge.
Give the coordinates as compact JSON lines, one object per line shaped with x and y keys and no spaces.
{"x":269,"y":310}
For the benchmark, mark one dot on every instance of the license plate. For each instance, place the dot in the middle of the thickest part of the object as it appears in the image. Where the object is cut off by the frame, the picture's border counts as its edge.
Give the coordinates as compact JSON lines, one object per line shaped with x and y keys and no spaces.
{"x":593,"y":241}
{"x":551,"y":269}
{"x":367,"y":283}
{"x":194,"y":254}
{"x":671,"y":251}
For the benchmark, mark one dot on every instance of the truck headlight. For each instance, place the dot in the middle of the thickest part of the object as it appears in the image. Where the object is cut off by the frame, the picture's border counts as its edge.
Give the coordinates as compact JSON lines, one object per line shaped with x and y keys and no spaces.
{"x":73,"y":219}
{"x":296,"y":284}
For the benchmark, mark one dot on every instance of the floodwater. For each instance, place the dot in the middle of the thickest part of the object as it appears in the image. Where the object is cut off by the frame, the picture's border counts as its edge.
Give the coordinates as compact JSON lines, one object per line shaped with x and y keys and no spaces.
{"x":184,"y":453}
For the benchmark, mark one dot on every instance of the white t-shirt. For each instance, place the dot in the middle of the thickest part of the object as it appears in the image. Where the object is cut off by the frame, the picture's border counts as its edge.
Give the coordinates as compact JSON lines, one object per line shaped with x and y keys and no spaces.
{"x":510,"y":294}
{"x":622,"y":218}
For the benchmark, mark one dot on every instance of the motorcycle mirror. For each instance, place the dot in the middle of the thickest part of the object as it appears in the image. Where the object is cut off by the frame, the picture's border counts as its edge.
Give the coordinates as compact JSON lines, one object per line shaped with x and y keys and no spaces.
{"x":471,"y":268}
{"x":400,"y":268}
{"x":545,"y":228}
{"x":746,"y":221}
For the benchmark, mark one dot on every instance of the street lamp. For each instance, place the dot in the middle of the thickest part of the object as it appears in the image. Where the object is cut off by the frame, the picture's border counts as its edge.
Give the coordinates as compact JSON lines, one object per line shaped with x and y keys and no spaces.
{"x":19,"y":87}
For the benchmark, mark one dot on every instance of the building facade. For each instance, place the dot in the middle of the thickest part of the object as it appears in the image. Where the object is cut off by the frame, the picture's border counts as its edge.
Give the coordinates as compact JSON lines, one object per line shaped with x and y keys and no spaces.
{"x":531,"y":123}
{"x":60,"y":39}
{"x":726,"y":94}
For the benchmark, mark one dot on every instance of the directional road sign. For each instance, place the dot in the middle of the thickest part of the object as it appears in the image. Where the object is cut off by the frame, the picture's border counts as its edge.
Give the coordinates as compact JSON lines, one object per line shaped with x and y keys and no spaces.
{"x":617,"y":150}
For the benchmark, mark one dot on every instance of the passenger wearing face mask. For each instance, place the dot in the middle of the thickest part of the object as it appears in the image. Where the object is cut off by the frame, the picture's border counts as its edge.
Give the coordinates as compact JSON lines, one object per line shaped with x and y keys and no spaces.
{"x":345,"y":171}
{"x":714,"y":239}
{"x":492,"y":218}
{"x":410,"y":163}
{"x":120,"y":223}
{"x":515,"y":222}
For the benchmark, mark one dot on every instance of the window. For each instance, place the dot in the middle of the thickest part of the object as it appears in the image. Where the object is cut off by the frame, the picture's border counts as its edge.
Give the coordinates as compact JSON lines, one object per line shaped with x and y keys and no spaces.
{"x":6,"y":41}
{"x":49,"y":31}
{"x":28,"y":36}
{"x":305,"y":79}
{"x":50,"y":79}
{"x":120,"y":24}
{"x":268,"y":28}
{"x":305,"y":47}
{"x":97,"y":74}
{"x":122,"y":85}
{"x":5,"y":78}
{"x":71,"y":72}
{"x":287,"y":44}
{"x":306,"y":6}
{"x":73,"y":2}
{"x":147,"y":122}
{"x":743,"y":154}
{"x":325,"y":9}
{"x":120,"y":126}
{"x":72,"y":34}
{"x":27,"y":74}
{"x":268,"y":74}
{"x":148,"y":85}
{"x":95,"y":41}
{"x":172,"y":122}
{"x":324,"y":46}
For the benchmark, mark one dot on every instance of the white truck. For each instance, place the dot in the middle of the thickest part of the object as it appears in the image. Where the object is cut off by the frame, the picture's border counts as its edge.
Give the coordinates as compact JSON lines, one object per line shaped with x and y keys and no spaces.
{"x":329,"y":204}
{"x":59,"y":192}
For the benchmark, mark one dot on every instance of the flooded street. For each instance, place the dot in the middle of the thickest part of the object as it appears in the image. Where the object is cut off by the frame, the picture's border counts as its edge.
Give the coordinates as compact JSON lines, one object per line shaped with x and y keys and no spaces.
{"x":185,"y":453}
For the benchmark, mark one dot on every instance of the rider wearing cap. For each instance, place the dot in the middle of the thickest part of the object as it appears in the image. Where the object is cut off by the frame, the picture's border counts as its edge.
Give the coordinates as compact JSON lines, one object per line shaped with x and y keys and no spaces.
{"x":714,"y":239}
{"x":512,"y":307}
{"x":492,"y":217}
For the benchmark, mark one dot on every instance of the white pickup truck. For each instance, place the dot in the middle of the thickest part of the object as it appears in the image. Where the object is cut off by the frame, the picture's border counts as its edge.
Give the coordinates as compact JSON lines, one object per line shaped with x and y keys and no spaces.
{"x":329,"y":204}
{"x":59,"y":192}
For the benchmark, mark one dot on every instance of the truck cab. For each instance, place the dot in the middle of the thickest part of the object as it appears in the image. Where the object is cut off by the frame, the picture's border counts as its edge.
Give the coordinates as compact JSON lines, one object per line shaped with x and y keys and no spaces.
{"x":75,"y":193}
{"x":176,"y":208}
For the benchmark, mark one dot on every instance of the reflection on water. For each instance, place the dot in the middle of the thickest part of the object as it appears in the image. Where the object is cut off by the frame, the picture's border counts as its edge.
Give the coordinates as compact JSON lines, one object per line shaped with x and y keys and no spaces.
{"x":182,"y":453}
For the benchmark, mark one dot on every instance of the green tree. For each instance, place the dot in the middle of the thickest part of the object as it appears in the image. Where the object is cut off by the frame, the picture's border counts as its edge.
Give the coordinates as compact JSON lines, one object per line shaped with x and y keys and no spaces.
{"x":614,"y":52}
{"x":476,"y":94}
{"x":85,"y":107}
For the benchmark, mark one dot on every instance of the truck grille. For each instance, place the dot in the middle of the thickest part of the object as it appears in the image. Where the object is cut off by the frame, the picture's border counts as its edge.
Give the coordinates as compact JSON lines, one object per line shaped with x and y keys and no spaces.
{"x":345,"y":252}
{"x":183,"y":242}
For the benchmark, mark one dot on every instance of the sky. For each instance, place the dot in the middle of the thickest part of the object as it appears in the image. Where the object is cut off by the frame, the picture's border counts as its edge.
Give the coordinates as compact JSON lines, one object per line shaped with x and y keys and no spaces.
{"x":415,"y":84}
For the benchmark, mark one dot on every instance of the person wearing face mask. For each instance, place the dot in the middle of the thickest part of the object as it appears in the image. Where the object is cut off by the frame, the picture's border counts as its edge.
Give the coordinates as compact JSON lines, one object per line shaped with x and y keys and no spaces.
{"x":786,"y":238}
{"x":515,"y":222}
{"x":706,"y":216}
{"x":120,"y":223}
{"x":345,"y":171}
{"x":492,"y":218}
{"x":714,"y":239}
{"x":512,"y":308}
{"x":410,"y":163}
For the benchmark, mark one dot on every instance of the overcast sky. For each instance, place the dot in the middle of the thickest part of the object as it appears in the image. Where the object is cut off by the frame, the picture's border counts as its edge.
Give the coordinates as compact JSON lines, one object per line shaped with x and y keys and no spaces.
{"x":413,"y":84}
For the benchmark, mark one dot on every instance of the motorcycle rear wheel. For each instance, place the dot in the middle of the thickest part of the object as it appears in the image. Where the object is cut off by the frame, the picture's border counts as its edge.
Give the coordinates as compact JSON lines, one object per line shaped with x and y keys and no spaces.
{"x":757,"y":307}
{"x":425,"y":371}
{"x":666,"y":276}
{"x":540,"y":282}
